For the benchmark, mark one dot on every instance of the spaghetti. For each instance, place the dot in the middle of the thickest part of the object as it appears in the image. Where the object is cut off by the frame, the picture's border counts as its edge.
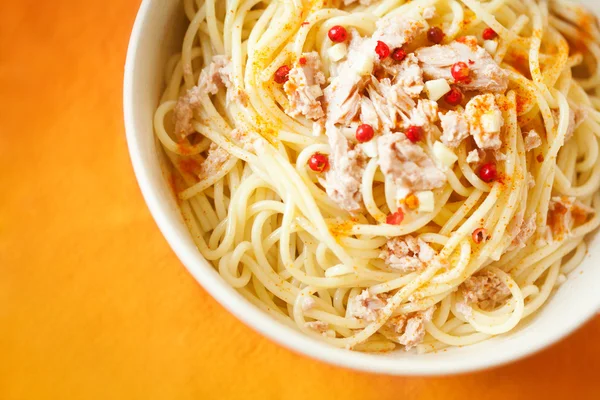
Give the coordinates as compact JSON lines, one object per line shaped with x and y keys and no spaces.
{"x":440,"y":213}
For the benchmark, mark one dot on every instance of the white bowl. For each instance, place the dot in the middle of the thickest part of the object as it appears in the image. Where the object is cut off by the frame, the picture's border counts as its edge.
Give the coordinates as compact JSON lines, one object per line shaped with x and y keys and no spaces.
{"x":157,"y":33}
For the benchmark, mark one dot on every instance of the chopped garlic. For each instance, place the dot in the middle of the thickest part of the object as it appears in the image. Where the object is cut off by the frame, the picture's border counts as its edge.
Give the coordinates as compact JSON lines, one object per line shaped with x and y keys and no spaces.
{"x":316,"y":91}
{"x":337,"y":52}
{"x":426,"y":201}
{"x":490,"y":45}
{"x":436,"y":89}
{"x":491,"y":122}
{"x":349,"y":131}
{"x":445,"y":156}
{"x":338,"y":270}
{"x":473,"y":157}
{"x":370,"y":148}
{"x":401,"y":193}
{"x":363,"y":64}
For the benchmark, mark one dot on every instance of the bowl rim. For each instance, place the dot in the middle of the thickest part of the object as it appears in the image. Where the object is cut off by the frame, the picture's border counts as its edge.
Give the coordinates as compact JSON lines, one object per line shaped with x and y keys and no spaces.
{"x":261,"y":322}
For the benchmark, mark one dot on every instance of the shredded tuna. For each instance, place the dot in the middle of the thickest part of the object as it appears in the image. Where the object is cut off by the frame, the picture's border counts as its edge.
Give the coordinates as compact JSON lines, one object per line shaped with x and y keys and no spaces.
{"x":532,"y":140}
{"x":486,"y":75}
{"x":342,"y":96}
{"x":318,"y":127}
{"x":349,"y":109}
{"x":579,"y":116}
{"x":424,"y":115}
{"x":455,"y":128}
{"x":343,"y":179}
{"x":486,"y":290}
{"x":217,"y":74}
{"x":183,"y":113}
{"x":564,"y":213}
{"x":409,"y":329}
{"x":389,"y":101}
{"x":475,"y":156}
{"x":526,"y":229}
{"x":576,"y":118}
{"x":366,"y":306}
{"x":217,"y":156}
{"x":499,"y":156}
{"x":303,"y":88}
{"x":408,"y":75}
{"x":485,"y":121}
{"x":407,"y":254}
{"x":368,"y":114}
{"x":408,"y":164}
{"x":321,"y":327}
{"x":395,"y":325}
{"x":397,"y":30}
{"x":464,"y":309}
{"x":246,"y":140}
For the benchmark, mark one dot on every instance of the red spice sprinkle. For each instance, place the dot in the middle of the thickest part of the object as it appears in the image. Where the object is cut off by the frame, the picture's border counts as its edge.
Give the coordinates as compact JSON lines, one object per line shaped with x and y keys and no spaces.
{"x":395,"y":218}
{"x":281,"y":75}
{"x":302,"y":60}
{"x":382,"y":50}
{"x":413,"y":133}
{"x":471,"y":62}
{"x":489,"y":34}
{"x":460,"y":71}
{"x":318,"y":162}
{"x":435,"y":35}
{"x":540,"y":157}
{"x":454,"y":97}
{"x":338,"y":34}
{"x":398,"y":54}
{"x":488,"y":172}
{"x":364,"y":133}
{"x":305,"y":23}
{"x":480,"y":235}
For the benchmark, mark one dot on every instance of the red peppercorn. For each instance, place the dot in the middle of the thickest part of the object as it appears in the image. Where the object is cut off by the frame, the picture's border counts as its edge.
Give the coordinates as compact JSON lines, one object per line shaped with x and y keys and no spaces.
{"x":488,"y":172}
{"x":318,"y":162}
{"x":480,"y":235}
{"x":435,"y":35}
{"x":413,"y":133}
{"x":382,"y":50}
{"x":281,"y":75}
{"x":364,"y":133}
{"x":398,"y":54}
{"x":338,"y":34}
{"x":489,"y":34}
{"x":460,"y":71}
{"x":302,"y":60}
{"x":454,"y":97}
{"x":395,"y":218}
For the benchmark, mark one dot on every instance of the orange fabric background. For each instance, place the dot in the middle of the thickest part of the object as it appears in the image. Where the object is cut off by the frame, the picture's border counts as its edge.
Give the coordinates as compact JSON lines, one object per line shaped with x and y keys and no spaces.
{"x":94,"y":304}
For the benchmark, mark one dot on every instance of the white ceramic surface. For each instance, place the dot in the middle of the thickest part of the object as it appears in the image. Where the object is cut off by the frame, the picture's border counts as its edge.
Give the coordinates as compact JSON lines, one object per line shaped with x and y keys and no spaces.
{"x":157,"y":34}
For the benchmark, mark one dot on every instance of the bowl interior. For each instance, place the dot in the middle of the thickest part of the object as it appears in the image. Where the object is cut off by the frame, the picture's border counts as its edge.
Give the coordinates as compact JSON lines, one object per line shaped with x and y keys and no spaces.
{"x":157,"y":34}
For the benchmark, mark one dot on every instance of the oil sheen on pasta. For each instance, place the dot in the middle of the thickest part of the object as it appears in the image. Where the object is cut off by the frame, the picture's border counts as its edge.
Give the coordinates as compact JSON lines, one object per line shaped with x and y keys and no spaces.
{"x":449,"y":218}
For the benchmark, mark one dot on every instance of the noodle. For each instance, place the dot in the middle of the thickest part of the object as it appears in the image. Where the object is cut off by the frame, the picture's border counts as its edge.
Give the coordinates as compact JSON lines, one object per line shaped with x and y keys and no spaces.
{"x":260,"y":214}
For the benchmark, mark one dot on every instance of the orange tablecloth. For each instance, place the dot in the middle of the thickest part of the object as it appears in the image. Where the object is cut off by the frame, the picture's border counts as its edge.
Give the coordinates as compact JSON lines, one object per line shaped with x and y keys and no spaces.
{"x":94,"y":304}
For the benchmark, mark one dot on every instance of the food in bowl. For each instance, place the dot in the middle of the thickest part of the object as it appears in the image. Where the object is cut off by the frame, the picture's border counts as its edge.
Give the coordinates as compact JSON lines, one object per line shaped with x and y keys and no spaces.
{"x":383,"y":174}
